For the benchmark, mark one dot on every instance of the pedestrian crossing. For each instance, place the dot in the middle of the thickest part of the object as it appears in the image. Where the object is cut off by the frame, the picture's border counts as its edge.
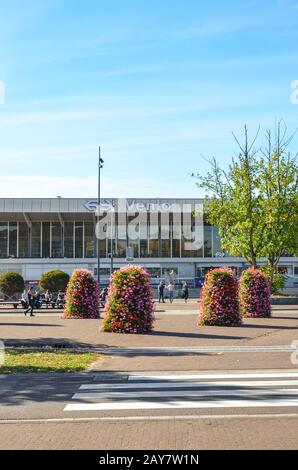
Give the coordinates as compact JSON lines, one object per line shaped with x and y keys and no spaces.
{"x":248,"y":389}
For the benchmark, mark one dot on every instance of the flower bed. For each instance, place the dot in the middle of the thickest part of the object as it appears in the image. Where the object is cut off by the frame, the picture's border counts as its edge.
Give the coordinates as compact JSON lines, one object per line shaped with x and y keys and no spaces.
{"x":219,"y":304}
{"x":82,"y":296}
{"x":129,"y":306}
{"x":255,"y":297}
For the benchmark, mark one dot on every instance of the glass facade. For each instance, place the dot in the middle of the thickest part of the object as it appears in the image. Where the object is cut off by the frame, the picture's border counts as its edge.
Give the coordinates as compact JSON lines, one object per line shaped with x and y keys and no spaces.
{"x":149,"y":235}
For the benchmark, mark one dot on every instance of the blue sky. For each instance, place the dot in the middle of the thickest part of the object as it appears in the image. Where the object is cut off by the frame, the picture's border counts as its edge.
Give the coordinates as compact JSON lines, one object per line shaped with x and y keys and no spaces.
{"x":157,"y":84}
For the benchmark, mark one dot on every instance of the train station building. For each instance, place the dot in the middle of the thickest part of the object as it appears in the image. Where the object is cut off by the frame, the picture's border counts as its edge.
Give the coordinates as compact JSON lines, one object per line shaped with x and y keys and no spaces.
{"x":166,"y":236}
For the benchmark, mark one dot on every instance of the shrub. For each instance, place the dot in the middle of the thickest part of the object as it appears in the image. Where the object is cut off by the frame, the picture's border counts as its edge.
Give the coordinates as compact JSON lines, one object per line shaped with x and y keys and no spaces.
{"x":219,"y":304}
{"x":11,"y":283}
{"x":82,"y":296}
{"x":54,"y":280}
{"x":129,"y":306}
{"x":277,"y":280}
{"x":255,"y":298}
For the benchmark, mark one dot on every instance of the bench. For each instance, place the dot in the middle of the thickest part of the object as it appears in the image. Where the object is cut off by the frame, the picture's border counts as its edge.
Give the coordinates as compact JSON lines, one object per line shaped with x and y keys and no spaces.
{"x":15,"y":303}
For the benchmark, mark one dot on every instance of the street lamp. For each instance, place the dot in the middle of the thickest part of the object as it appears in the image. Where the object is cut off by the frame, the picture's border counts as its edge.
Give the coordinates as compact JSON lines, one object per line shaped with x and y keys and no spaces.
{"x":100,"y":165}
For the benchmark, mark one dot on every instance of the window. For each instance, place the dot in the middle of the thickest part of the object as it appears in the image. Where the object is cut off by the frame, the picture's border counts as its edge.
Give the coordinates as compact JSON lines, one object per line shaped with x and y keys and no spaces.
{"x":217,"y":249}
{"x":78,"y":239}
{"x":133,"y":232}
{"x":56,"y":240}
{"x":296,"y":270}
{"x":46,"y":239}
{"x":153,"y":235}
{"x":285,"y":270}
{"x":68,"y":239}
{"x":170,"y":273}
{"x":143,"y":235}
{"x":23,"y":240}
{"x":165,"y":235}
{"x":3,"y":239}
{"x":120,"y":248}
{"x":103,"y":271}
{"x":207,"y":241}
{"x":13,"y":239}
{"x":36,"y":240}
{"x":154,"y":272}
{"x":176,"y":235}
{"x":89,"y":240}
{"x":186,"y":237}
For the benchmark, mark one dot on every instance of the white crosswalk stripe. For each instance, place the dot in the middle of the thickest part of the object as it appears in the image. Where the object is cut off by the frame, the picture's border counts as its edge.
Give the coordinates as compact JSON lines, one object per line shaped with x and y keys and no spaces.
{"x":171,"y":391}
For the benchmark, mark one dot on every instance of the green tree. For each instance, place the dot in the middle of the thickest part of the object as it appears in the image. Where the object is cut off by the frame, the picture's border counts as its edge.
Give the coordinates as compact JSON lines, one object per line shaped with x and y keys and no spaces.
{"x":279,"y":189}
{"x":254,"y":202}
{"x":54,"y":280}
{"x":11,"y":283}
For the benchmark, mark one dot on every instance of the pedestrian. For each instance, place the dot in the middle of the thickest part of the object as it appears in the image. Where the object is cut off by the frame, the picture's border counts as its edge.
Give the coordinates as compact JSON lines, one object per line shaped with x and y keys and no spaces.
{"x":161,"y":290}
{"x":60,"y":299}
{"x":103,"y":296}
{"x":24,"y":299}
{"x":185,"y":291}
{"x":170,"y":288}
{"x":48,"y":298}
{"x":31,"y":302}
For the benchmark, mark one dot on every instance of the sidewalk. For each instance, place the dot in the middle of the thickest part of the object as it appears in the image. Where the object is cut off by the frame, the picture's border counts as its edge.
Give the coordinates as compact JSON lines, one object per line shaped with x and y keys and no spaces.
{"x":171,"y":330}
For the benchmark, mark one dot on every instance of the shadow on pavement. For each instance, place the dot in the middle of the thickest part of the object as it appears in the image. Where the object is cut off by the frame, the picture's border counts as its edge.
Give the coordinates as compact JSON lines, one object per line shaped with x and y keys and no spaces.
{"x":196,"y":335}
{"x":30,"y":324}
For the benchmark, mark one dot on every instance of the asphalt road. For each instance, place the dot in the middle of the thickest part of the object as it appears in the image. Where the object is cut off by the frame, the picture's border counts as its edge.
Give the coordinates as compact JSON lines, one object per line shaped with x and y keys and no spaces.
{"x":179,"y":410}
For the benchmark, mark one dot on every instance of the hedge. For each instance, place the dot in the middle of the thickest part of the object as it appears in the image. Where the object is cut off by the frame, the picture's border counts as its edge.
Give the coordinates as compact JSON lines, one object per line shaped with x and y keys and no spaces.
{"x":11,"y":283}
{"x":54,"y":280}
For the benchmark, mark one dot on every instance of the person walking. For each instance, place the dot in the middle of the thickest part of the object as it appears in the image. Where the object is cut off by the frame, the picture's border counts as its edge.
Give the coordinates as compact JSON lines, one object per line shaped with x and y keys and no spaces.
{"x":185,"y":291}
{"x":103,"y":296}
{"x":31,"y":301}
{"x":24,"y":300}
{"x":60,"y":299}
{"x":170,"y":288}
{"x":161,"y":290}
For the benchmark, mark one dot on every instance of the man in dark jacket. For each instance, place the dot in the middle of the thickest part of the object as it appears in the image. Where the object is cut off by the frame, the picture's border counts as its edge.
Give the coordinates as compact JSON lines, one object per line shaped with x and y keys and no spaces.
{"x":161,"y":289}
{"x":185,"y":291}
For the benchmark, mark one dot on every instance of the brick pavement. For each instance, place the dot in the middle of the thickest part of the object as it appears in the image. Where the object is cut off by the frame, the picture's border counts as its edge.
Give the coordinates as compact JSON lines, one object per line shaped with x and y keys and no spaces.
{"x":169,"y":330}
{"x":240,"y":433}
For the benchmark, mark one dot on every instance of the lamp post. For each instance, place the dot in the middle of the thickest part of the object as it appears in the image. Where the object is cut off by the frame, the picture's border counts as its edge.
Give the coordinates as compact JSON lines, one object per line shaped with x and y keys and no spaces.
{"x":100,"y":165}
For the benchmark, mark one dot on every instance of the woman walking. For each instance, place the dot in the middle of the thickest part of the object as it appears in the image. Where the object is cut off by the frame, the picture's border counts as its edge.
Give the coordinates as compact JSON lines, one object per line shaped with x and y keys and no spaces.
{"x":170,"y":288}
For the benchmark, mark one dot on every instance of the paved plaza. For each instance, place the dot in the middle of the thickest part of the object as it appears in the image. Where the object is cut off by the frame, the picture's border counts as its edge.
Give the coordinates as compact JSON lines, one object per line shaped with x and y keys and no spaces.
{"x":180,"y":387}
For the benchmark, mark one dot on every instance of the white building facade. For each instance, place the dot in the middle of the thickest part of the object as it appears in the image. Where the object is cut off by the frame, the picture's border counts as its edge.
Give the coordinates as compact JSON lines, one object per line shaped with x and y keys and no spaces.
{"x":166,"y":236}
